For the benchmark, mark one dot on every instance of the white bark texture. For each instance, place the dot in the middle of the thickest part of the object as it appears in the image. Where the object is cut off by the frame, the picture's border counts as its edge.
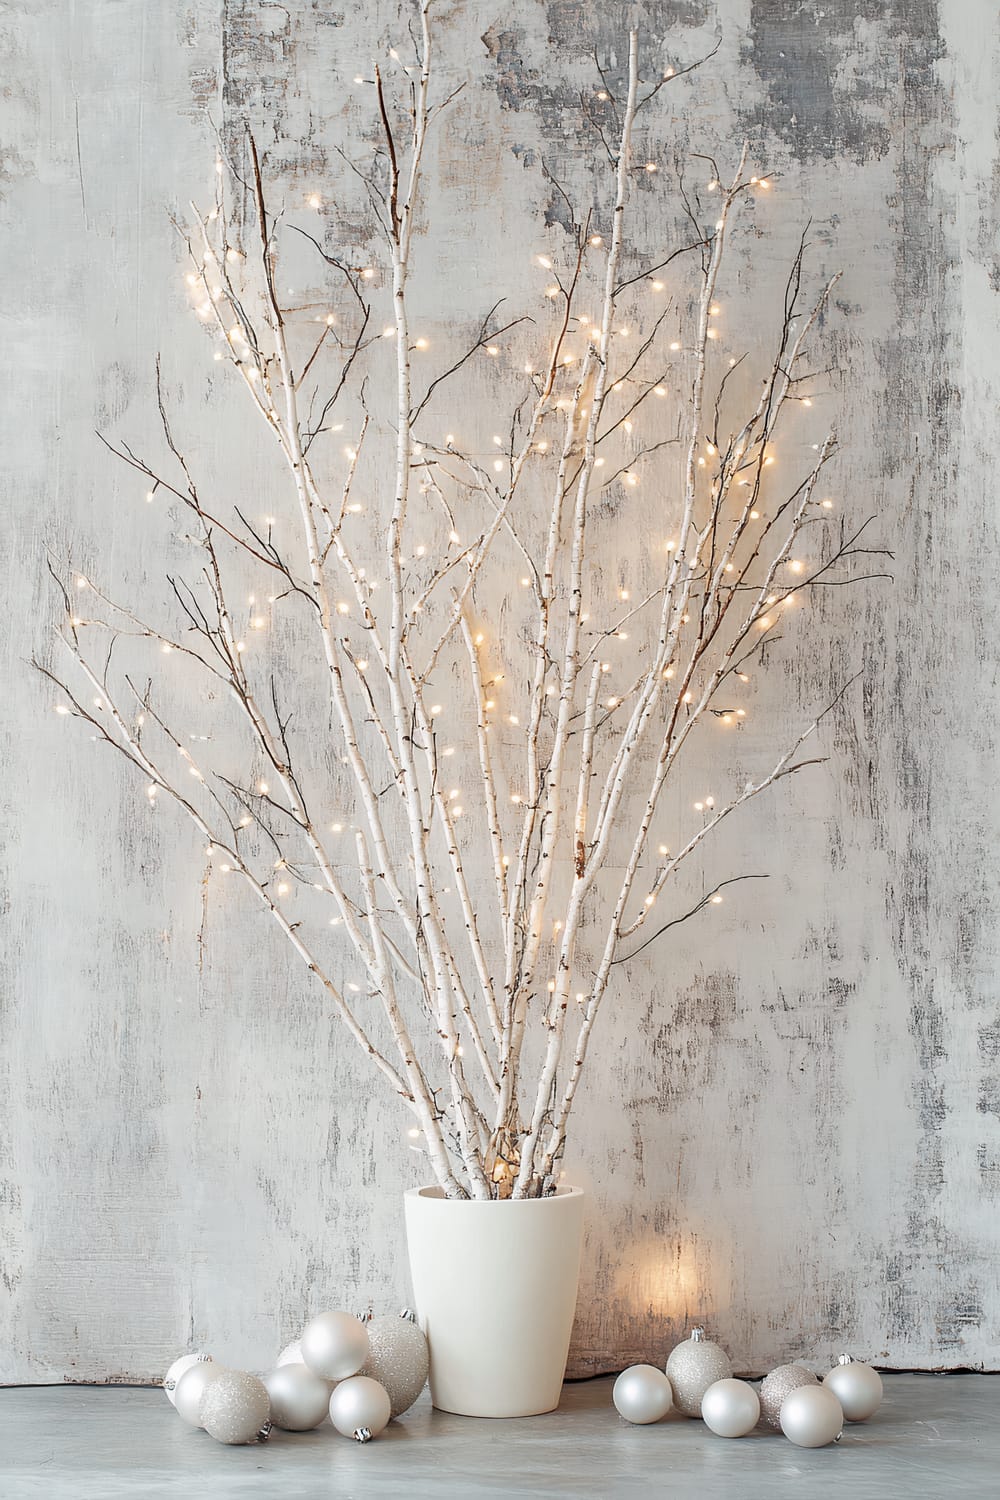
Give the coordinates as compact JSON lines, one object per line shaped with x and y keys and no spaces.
{"x":789,"y":1114}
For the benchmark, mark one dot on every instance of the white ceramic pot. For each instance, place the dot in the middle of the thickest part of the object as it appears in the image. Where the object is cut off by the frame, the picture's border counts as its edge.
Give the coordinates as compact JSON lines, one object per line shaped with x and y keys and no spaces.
{"x":495,"y":1292}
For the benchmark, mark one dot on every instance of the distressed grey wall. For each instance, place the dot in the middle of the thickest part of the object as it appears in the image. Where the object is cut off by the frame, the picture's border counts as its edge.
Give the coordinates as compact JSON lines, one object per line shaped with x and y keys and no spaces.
{"x":796,"y":1132}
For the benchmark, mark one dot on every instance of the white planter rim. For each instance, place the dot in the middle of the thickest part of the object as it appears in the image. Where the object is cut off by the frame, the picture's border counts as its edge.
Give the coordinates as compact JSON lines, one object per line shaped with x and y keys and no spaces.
{"x":436,"y":1194}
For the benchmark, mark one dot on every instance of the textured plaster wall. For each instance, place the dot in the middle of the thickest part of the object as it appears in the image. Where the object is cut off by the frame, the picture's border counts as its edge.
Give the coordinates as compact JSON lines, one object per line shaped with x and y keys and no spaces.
{"x":794,"y":1133}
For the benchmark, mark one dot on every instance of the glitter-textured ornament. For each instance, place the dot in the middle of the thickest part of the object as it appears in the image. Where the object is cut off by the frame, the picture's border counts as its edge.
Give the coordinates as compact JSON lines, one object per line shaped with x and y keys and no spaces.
{"x":642,"y":1394}
{"x":776,"y":1386}
{"x":399,"y":1359}
{"x":811,"y":1417}
{"x":856,"y":1386}
{"x":177,"y":1369}
{"x":290,"y":1355}
{"x":692,"y":1367}
{"x":190,"y":1393}
{"x":299,"y":1399}
{"x":730,"y":1408}
{"x":335,"y":1345}
{"x":236,"y":1408}
{"x":359,"y":1408}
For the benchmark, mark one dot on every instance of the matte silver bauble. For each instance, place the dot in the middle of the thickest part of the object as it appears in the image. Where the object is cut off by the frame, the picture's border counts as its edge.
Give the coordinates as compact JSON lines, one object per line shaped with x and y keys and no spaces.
{"x":335,"y":1345}
{"x":730,"y":1408}
{"x":399,"y":1359}
{"x":190,"y":1393}
{"x":177,"y":1369}
{"x":359,"y":1407}
{"x":236,"y":1408}
{"x":856,"y":1386}
{"x":811,"y":1417}
{"x":692,"y":1367}
{"x":290,"y":1355}
{"x":776,"y":1386}
{"x":642,"y":1394}
{"x":299,"y":1399}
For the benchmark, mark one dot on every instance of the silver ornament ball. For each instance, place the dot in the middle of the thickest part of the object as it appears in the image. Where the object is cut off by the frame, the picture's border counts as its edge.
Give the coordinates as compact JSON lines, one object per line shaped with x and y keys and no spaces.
{"x":811,"y":1417}
{"x":360,"y":1405}
{"x":299,"y":1399}
{"x":642,"y":1394}
{"x":856,"y":1386}
{"x":776,"y":1386}
{"x":189,"y":1396}
{"x":177,"y":1369}
{"x":398,"y":1359}
{"x":290,"y":1355}
{"x":692,"y":1367}
{"x":335,"y":1345}
{"x":236,"y":1408}
{"x":730,"y":1408}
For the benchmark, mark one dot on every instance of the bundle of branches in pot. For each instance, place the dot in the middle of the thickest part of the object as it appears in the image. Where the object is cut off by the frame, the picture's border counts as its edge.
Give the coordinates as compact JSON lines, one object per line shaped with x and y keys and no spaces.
{"x":506,"y":726}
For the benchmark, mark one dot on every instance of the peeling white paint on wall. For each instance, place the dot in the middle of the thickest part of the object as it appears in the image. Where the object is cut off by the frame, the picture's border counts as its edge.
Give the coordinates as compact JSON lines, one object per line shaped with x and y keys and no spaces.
{"x":795,"y":1133}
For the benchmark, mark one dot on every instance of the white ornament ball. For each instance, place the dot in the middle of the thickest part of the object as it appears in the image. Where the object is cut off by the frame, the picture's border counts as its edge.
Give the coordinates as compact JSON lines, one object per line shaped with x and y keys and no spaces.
{"x":335,"y":1345}
{"x":730,"y":1408}
{"x":399,"y":1359}
{"x":692,"y":1367}
{"x":190,"y":1393}
{"x":290,"y":1355}
{"x":776,"y":1386}
{"x":811,"y":1417}
{"x":236,"y":1408}
{"x":299,"y":1399}
{"x":177,"y":1369}
{"x":360,"y":1408}
{"x":856,"y":1386}
{"x":642,"y":1394}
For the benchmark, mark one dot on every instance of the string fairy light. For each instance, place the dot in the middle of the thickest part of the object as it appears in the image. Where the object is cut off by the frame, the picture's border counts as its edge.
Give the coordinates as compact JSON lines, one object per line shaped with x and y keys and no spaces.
{"x":386,"y":654}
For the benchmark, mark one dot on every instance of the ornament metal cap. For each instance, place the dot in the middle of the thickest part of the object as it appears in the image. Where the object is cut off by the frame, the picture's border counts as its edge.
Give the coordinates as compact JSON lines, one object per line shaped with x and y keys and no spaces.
{"x":408,"y":1314}
{"x":362,"y":1434}
{"x":697,"y":1335}
{"x":265,"y":1431}
{"x":845,"y":1359}
{"x":366,"y":1316}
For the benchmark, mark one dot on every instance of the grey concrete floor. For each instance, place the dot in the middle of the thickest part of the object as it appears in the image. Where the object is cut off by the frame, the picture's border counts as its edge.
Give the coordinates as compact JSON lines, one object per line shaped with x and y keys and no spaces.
{"x":935,"y":1436}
